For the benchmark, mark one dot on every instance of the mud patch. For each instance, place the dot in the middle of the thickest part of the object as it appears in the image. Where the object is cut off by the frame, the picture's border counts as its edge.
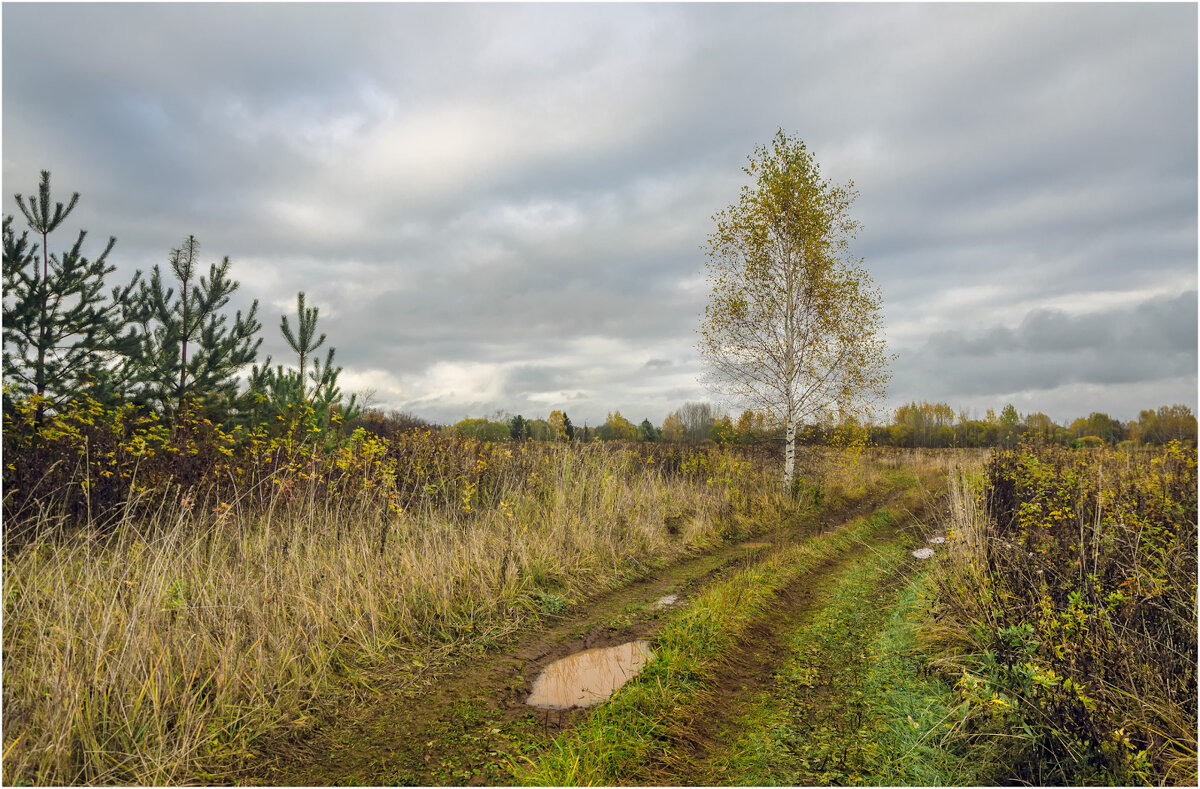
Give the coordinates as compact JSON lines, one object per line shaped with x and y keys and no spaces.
{"x":589,"y":677}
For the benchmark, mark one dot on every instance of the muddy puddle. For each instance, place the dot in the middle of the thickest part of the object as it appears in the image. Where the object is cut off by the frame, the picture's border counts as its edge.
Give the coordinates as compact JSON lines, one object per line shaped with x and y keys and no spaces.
{"x":588,"y":677}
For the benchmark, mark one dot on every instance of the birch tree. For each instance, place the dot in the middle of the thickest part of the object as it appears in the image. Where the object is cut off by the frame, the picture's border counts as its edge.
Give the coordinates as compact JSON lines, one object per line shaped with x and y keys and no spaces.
{"x":558,"y":423}
{"x":793,"y":325}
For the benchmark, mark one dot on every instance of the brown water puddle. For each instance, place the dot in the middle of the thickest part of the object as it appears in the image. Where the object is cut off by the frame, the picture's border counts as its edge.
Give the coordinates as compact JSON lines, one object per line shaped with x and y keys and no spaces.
{"x":588,"y":677}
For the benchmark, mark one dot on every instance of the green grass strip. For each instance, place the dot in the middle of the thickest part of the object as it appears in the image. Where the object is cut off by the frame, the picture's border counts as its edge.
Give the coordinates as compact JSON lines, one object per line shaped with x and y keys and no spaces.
{"x":813,"y":724}
{"x":630,"y":734}
{"x":852,"y":706}
{"x":917,"y":713}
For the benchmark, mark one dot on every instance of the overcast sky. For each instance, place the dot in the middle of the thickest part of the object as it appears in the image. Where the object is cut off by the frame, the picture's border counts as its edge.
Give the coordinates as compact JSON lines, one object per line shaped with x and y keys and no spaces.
{"x":502,"y":207}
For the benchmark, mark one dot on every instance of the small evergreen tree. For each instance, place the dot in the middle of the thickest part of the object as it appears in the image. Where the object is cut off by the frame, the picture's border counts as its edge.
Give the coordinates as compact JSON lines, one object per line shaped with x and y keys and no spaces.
{"x":185,"y":349}
{"x":302,"y":341}
{"x":62,"y":333}
{"x":278,"y":391}
{"x":327,"y":395}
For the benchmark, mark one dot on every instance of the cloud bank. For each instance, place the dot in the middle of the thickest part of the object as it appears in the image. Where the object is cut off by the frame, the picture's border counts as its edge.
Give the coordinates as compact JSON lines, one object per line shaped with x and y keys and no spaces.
{"x":502,"y":207}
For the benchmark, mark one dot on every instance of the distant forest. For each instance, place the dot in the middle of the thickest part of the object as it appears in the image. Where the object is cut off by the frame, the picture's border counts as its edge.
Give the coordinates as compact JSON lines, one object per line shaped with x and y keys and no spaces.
{"x":932,"y":425}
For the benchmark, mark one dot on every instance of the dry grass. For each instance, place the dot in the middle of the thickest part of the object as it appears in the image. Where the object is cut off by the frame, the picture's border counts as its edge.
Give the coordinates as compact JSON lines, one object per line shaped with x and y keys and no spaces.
{"x":167,"y":648}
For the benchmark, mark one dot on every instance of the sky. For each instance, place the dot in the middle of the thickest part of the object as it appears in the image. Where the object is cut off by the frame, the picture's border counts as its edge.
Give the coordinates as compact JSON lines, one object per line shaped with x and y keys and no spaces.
{"x":504,"y":208}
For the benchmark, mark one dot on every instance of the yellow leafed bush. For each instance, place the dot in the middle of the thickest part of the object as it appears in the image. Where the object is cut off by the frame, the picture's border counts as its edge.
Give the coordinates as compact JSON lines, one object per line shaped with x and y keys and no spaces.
{"x":1071,"y":592}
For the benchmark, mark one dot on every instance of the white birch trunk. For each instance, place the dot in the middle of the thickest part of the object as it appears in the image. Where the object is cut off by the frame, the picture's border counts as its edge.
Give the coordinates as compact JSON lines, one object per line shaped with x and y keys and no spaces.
{"x":789,"y":454}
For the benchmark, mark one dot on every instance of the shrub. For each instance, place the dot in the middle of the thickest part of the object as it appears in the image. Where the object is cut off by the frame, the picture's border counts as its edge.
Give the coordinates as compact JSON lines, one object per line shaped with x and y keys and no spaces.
{"x":1076,"y":591}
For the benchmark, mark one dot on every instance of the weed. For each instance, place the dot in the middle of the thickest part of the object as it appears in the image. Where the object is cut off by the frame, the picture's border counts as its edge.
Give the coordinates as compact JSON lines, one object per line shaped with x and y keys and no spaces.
{"x":551,"y":604}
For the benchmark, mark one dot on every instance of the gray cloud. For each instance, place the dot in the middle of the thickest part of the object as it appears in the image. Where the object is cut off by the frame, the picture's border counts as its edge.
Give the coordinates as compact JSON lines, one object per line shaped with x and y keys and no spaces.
{"x":1161,"y":326}
{"x":1051,"y":351}
{"x":503,"y":206}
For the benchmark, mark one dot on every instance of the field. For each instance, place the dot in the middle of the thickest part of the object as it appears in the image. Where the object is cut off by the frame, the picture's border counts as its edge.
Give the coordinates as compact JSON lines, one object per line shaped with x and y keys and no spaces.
{"x":277,"y":608}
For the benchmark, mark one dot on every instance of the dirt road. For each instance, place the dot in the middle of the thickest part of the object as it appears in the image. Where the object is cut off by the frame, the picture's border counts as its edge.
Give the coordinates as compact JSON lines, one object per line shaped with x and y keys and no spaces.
{"x":469,"y":724}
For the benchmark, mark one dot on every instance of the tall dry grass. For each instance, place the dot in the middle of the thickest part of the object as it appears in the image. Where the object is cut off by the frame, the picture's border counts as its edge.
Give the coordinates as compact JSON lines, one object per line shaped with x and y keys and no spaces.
{"x":165,"y":644}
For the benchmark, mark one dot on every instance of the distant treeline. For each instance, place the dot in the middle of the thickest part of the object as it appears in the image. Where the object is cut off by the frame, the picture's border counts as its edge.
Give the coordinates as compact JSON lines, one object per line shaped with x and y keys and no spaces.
{"x":932,"y":425}
{"x":936,"y":425}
